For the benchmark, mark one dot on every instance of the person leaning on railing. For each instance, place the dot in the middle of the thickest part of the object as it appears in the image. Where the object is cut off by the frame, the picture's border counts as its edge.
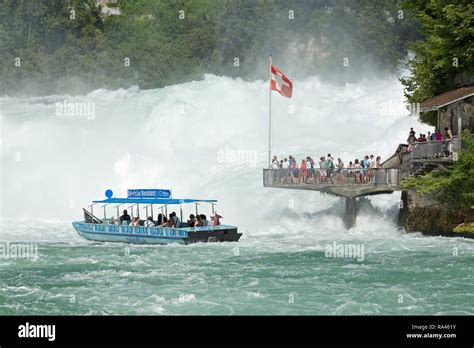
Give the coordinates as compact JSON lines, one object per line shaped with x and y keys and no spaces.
{"x":340,"y":172}
{"x":449,"y":144}
{"x":284,"y":171}
{"x":303,"y":172}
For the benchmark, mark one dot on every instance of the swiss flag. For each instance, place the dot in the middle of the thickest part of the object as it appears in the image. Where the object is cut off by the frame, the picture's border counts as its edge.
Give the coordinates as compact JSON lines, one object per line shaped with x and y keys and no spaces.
{"x":280,"y":83}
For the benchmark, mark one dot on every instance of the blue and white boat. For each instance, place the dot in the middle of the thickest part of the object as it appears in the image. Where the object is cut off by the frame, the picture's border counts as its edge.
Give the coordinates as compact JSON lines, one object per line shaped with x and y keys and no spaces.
{"x":110,"y":230}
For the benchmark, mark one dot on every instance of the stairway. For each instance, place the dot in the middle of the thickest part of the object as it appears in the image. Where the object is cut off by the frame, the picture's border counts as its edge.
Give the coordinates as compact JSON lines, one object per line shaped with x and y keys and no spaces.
{"x":425,"y":168}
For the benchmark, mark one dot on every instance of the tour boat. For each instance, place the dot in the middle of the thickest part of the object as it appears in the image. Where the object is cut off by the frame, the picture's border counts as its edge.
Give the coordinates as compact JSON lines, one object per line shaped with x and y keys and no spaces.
{"x":109,"y":230}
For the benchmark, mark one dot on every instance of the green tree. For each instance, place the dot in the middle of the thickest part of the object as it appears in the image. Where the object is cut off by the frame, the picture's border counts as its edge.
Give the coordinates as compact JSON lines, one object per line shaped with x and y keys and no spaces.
{"x":444,"y":59}
{"x":172,"y":41}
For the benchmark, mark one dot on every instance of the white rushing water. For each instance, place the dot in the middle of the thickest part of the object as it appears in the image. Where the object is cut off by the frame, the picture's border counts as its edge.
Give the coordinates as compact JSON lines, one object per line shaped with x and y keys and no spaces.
{"x":205,"y":139}
{"x":208,"y":139}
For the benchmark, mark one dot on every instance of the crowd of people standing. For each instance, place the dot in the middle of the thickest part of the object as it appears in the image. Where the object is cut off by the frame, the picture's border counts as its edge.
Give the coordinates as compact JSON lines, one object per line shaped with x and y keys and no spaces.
{"x":436,"y":136}
{"x":326,"y":170}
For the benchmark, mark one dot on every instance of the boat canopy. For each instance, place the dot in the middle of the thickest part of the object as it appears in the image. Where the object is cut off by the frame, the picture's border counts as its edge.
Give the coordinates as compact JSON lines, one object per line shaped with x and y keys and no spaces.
{"x":162,"y":201}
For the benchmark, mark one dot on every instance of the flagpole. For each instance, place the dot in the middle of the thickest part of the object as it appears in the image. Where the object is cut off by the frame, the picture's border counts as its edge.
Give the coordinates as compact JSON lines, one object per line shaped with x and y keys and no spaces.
{"x":270,"y":116}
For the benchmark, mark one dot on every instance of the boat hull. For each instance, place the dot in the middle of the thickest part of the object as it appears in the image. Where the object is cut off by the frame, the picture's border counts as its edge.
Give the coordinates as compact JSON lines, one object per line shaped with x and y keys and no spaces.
{"x":156,"y":235}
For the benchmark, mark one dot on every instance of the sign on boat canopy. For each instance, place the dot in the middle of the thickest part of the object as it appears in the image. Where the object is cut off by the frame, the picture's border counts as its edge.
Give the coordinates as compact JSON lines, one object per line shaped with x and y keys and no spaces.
{"x":149,"y":193}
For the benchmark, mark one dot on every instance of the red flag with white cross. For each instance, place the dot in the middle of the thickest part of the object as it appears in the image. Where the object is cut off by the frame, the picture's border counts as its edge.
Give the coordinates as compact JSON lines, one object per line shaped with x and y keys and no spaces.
{"x":280,"y":82}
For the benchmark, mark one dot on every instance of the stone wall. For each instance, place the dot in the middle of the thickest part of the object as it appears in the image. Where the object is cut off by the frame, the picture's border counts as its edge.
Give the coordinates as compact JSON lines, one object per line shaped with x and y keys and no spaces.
{"x":448,"y":116}
{"x":424,"y":213}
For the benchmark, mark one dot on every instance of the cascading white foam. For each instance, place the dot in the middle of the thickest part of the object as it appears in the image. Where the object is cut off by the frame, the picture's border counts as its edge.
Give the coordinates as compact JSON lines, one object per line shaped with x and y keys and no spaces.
{"x":205,"y":139}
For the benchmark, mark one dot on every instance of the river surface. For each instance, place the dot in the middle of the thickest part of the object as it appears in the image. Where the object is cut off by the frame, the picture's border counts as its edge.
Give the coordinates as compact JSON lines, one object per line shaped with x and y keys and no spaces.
{"x":207,"y":140}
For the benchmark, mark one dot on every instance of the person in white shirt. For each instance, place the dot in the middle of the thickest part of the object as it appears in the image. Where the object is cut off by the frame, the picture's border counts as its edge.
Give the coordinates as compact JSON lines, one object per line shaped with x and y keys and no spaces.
{"x":309,"y":169}
{"x":372,"y":162}
{"x":285,"y":166}
{"x":275,"y":163}
{"x":370,"y":172}
{"x":149,"y":222}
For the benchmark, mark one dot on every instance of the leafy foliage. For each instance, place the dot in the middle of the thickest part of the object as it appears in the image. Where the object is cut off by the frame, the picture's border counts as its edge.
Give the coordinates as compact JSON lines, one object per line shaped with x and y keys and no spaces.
{"x":445,"y":58}
{"x":61,"y":54}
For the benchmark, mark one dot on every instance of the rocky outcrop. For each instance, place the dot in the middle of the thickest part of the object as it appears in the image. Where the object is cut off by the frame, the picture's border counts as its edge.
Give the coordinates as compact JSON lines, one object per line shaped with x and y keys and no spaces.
{"x":426,"y":214}
{"x":464,"y":228}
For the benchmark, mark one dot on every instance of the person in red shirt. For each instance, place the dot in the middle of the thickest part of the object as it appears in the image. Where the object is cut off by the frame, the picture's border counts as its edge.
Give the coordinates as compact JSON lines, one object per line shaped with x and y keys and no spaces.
{"x":303,"y":171}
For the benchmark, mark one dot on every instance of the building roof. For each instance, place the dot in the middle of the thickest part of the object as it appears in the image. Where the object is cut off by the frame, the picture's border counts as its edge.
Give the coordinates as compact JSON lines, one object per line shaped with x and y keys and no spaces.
{"x":447,"y":98}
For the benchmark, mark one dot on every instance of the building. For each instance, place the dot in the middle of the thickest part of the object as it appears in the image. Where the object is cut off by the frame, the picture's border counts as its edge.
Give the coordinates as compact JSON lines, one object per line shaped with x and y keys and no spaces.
{"x":107,"y":10}
{"x":455,"y":109}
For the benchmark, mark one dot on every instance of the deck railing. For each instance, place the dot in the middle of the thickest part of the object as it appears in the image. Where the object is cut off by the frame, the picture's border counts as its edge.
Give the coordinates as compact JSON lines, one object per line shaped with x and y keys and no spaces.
{"x":321,"y":177}
{"x":435,"y":149}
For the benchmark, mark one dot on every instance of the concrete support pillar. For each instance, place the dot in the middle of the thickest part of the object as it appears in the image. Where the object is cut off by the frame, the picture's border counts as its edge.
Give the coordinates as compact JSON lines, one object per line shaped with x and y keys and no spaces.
{"x":402,"y":213}
{"x":350,"y":213}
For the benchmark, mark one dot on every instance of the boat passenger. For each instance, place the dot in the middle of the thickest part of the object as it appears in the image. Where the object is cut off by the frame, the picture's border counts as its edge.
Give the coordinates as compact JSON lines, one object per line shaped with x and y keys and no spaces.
{"x":149,"y":222}
{"x":176,"y":220}
{"x":199,"y":222}
{"x":192,"y":220}
{"x":169,"y":223}
{"x":350,"y":173}
{"x":215,"y":219}
{"x":160,"y":220}
{"x":204,"y":220}
{"x":125,"y":217}
{"x":136,"y":222}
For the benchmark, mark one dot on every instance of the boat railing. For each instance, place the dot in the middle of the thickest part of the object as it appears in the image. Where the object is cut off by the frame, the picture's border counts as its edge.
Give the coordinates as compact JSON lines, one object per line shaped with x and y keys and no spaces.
{"x":91,"y":218}
{"x":342,"y":177}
